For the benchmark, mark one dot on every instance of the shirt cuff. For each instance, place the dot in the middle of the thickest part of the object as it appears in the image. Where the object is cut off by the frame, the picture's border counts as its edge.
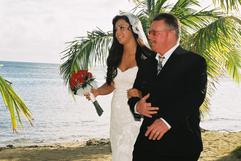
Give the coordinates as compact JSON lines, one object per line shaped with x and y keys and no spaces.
{"x":169,"y":126}
{"x":135,"y":111}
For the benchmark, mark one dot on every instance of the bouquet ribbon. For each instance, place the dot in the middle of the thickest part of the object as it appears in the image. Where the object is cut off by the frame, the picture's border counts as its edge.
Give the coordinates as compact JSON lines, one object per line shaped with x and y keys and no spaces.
{"x":96,"y":104}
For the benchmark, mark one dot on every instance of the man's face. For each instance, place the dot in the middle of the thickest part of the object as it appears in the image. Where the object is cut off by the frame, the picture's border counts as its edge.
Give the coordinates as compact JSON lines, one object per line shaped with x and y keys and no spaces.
{"x":158,"y":35}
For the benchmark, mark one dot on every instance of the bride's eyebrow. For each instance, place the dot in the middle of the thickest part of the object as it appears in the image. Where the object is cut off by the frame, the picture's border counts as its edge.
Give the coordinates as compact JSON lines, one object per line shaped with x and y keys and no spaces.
{"x":122,"y":25}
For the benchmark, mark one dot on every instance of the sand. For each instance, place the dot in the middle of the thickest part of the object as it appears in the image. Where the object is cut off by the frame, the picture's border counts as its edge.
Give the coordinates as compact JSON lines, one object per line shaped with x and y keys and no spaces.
{"x":218,"y":146}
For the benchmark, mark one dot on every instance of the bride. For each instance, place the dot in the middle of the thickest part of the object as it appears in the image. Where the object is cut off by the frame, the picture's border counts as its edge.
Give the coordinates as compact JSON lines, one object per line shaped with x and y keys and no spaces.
{"x":125,"y":56}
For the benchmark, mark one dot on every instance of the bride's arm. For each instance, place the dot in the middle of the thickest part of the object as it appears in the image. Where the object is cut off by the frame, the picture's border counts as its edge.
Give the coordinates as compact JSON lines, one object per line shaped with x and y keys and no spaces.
{"x":103,"y":90}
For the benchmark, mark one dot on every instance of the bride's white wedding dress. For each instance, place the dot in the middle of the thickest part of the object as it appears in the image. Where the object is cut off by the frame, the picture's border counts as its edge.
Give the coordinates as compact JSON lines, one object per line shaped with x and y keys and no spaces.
{"x":123,"y":128}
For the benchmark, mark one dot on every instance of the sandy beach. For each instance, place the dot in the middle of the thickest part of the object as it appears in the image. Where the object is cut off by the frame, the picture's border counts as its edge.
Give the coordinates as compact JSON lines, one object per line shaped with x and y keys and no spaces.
{"x":218,"y":146}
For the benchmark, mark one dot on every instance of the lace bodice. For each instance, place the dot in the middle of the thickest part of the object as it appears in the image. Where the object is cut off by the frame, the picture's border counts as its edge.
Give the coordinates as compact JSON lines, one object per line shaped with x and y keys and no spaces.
{"x":125,"y":80}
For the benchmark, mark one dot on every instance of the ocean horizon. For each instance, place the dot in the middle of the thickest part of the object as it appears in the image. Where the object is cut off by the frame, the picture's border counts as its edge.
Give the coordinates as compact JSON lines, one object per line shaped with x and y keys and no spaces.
{"x":59,"y":118}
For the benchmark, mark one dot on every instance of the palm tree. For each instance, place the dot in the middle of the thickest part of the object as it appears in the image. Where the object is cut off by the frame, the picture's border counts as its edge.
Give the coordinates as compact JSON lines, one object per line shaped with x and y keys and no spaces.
{"x":212,"y":33}
{"x":14,"y":103}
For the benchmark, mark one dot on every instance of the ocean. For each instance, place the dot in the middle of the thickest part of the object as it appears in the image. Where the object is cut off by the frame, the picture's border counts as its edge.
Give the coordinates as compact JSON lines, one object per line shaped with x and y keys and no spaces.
{"x":59,"y":118}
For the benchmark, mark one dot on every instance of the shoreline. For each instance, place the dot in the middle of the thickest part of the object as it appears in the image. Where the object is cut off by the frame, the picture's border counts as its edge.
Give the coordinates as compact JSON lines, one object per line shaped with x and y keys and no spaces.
{"x":88,"y":141}
{"x":218,"y":146}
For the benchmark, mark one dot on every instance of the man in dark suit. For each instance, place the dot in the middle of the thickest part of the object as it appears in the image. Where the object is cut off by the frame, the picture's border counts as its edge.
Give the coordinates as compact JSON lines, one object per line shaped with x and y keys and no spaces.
{"x":174,"y":86}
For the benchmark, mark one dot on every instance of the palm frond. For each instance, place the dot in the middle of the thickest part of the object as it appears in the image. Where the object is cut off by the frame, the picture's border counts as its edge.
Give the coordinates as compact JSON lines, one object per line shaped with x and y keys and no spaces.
{"x":222,"y":35}
{"x":182,"y":5}
{"x":216,"y":42}
{"x":233,"y":65}
{"x":137,"y":1}
{"x":228,"y":5}
{"x":85,"y":52}
{"x":191,"y":20}
{"x":150,"y":5}
{"x":14,"y":104}
{"x":149,"y":9}
{"x":160,"y":6}
{"x":211,"y":87}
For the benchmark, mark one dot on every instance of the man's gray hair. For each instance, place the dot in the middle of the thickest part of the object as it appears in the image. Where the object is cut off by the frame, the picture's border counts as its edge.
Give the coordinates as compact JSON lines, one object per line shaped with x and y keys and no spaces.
{"x":171,"y":21}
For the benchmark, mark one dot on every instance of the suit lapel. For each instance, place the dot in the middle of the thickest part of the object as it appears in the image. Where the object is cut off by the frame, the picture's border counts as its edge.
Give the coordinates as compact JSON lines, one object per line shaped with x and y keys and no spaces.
{"x":171,"y":60}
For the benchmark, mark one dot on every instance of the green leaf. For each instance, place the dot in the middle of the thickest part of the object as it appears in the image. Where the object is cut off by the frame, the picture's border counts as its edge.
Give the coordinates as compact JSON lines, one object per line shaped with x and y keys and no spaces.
{"x":14,"y":104}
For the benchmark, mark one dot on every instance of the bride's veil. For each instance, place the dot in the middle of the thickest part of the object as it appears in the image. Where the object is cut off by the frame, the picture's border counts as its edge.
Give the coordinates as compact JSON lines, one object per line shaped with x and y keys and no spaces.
{"x":137,"y":28}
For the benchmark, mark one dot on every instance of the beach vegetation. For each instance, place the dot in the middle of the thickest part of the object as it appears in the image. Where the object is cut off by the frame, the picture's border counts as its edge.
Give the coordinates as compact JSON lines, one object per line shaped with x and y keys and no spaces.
{"x":14,"y":104}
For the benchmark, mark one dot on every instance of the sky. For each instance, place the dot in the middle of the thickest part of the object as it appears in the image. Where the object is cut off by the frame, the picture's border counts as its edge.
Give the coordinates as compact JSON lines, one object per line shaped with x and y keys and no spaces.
{"x":37,"y":30}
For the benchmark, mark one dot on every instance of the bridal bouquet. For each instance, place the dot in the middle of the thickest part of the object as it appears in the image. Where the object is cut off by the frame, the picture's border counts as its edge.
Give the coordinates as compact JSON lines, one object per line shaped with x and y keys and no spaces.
{"x":81,"y":83}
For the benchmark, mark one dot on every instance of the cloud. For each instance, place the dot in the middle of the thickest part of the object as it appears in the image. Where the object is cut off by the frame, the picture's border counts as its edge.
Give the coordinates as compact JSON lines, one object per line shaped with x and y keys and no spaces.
{"x":33,"y":30}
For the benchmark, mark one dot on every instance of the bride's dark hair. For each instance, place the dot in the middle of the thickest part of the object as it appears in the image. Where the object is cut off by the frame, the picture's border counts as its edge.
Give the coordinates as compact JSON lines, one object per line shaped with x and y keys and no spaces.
{"x":116,"y":52}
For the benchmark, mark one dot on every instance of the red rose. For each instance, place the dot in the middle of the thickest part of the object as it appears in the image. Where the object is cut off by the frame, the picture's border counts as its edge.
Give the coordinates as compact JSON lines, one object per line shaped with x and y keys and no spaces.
{"x":83,"y":80}
{"x":79,"y":78}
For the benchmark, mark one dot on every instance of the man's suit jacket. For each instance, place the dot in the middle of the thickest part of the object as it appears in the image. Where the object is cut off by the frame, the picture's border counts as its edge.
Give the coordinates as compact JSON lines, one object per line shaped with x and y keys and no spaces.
{"x":178,"y":90}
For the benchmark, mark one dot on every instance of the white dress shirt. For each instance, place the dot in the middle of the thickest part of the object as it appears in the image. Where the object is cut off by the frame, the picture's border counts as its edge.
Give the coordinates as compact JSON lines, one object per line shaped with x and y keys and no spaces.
{"x":167,"y":54}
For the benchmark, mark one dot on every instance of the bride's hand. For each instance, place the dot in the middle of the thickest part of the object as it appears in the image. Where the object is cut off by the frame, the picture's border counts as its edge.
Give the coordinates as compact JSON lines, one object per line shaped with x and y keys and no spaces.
{"x":133,"y":92}
{"x":140,"y":42}
{"x":94,"y":91}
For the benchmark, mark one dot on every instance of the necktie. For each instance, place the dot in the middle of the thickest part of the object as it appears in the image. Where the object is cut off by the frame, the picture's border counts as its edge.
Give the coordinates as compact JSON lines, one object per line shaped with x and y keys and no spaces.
{"x":159,"y":65}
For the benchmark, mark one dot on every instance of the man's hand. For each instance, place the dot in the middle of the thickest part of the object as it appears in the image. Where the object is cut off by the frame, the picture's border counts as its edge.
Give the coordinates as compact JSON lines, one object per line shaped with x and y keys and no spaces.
{"x":156,"y":130}
{"x":144,"y":108}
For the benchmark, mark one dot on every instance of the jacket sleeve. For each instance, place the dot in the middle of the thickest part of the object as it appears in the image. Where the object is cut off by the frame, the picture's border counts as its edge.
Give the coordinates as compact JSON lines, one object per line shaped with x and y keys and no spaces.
{"x":133,"y":100}
{"x":146,"y":58}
